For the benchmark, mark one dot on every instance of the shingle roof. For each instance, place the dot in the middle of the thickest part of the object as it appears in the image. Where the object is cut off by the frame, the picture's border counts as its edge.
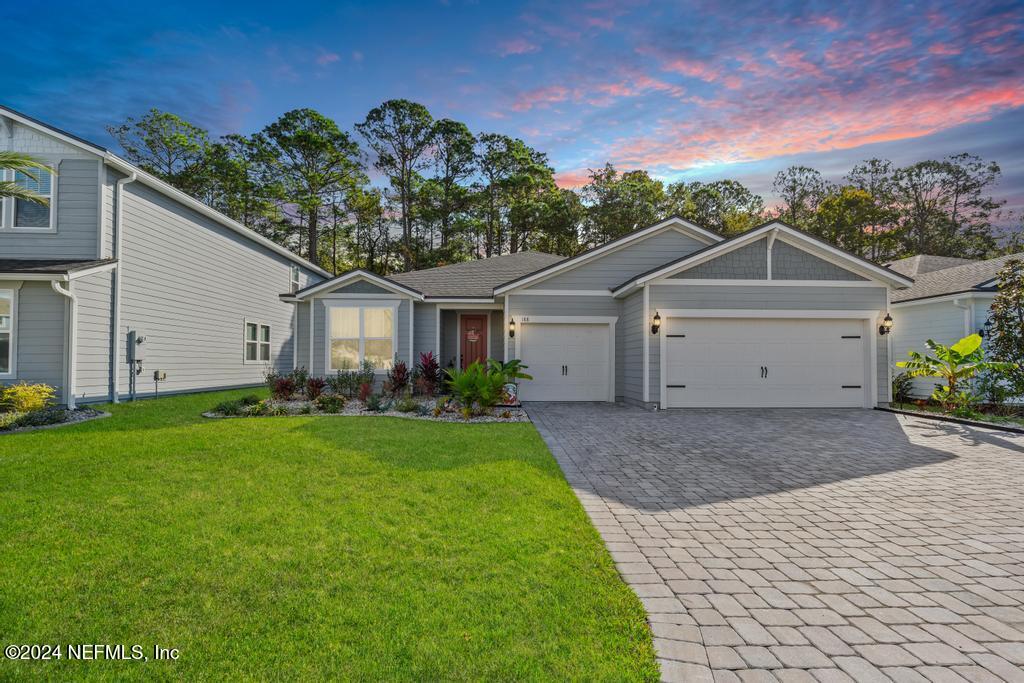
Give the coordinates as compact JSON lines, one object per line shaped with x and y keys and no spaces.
{"x":477,"y":278}
{"x":964,"y":278}
{"x":925,"y":263}
{"x":49,"y":266}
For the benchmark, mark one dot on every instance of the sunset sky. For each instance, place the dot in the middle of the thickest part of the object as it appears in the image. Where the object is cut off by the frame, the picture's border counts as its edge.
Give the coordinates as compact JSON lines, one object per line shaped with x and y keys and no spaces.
{"x":694,"y":90}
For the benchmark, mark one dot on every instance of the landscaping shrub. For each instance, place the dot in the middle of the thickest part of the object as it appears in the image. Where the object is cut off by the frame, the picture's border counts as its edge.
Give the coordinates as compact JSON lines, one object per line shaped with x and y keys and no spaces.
{"x":343,"y":383}
{"x":231,"y":408}
{"x":23,"y":397}
{"x":41,"y":418}
{"x":374,"y":403}
{"x":902,"y":385}
{"x":956,"y":365}
{"x":365,"y":389}
{"x":300,"y":376}
{"x":330,"y":403}
{"x":267,"y":408}
{"x":249,"y":400}
{"x":406,"y":405}
{"x":427,"y":374}
{"x":398,"y":378}
{"x":284,"y":388}
{"x":315,"y":387}
{"x":8,"y":421}
{"x":478,"y":388}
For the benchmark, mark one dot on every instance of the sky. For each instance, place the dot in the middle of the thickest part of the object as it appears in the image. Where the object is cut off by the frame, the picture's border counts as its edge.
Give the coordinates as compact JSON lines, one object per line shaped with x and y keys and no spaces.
{"x":686,"y":90}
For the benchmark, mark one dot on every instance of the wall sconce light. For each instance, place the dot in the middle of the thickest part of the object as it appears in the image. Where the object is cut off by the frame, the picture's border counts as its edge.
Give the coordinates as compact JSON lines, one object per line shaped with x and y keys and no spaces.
{"x":986,"y":329}
{"x":511,"y":328}
{"x":656,"y":323}
{"x":886,"y":326}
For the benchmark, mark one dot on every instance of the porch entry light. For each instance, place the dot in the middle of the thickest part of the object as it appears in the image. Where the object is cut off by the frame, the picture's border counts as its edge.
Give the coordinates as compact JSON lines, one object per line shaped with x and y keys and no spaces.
{"x":886,"y":326}
{"x":986,"y":329}
{"x":656,"y":323}
{"x":512,"y":328}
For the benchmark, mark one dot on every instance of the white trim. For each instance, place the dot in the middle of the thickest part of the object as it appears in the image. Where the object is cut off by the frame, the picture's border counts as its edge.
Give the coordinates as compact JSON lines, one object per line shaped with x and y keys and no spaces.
{"x":12,"y":346}
{"x":35,"y":277}
{"x":763,"y":283}
{"x":764,"y":313}
{"x":117,"y":235}
{"x":51,"y":229}
{"x":91,"y":271}
{"x":458,"y":335}
{"x":312,"y":331}
{"x":354,"y":276}
{"x":71,"y":342}
{"x":437,"y":334}
{"x":456,"y":300}
{"x":468,"y":307}
{"x":412,"y":363}
{"x":868,"y":318}
{"x":504,"y":330}
{"x":647,"y":344}
{"x":786,"y":234}
{"x":259,"y":342}
{"x":101,"y":208}
{"x":295,"y":338}
{"x":768,"y":253}
{"x":393,"y":304}
{"x":944,"y":298}
{"x":608,"y":320}
{"x":888,"y":349}
{"x":675,"y":223}
{"x":374,"y":297}
{"x":566,"y":292}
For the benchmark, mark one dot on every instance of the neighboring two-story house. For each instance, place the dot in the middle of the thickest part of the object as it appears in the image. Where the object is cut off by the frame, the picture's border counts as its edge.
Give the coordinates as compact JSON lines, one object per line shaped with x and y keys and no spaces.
{"x":123,"y":278}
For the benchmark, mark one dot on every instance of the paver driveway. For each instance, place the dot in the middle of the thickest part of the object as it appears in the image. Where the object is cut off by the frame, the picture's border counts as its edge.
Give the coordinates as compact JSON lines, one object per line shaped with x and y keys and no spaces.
{"x":808,"y":544}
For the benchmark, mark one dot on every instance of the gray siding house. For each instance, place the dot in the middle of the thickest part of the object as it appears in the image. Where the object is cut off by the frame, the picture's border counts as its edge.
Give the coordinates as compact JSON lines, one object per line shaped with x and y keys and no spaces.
{"x":120,"y":256}
{"x":669,"y":316}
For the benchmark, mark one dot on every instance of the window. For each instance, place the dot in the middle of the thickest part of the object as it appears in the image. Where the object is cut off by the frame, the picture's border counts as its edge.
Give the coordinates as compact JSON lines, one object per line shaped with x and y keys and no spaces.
{"x":257,"y":342}
{"x":361,"y":332}
{"x":6,"y":331}
{"x":294,"y":279}
{"x":30,"y":214}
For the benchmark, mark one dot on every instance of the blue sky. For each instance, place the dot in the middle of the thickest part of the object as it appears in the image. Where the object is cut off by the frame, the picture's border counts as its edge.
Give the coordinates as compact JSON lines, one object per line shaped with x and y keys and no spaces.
{"x":696,"y":90}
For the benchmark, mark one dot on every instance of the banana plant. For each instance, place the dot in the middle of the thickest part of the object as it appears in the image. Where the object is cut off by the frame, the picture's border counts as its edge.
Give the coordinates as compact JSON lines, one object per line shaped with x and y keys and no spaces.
{"x":955,"y":365}
{"x":26,"y":165}
{"x":511,"y":370}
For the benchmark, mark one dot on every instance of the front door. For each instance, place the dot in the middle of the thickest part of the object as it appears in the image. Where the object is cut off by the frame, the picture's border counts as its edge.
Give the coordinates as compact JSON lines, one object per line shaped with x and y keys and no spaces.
{"x":473,"y":337}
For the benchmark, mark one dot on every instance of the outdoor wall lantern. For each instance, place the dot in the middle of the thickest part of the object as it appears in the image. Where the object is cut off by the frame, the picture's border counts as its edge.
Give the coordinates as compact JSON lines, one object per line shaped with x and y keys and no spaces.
{"x":986,"y":329}
{"x":511,"y":328}
{"x":656,"y":323}
{"x":886,"y":326}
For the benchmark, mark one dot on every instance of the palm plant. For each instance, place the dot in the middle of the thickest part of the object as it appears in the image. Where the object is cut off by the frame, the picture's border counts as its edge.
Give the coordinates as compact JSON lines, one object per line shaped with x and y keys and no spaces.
{"x":955,"y":365}
{"x":26,"y":165}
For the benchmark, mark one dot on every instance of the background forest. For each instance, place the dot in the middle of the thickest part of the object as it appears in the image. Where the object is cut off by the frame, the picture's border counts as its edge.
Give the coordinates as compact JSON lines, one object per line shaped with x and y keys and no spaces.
{"x":404,"y":191}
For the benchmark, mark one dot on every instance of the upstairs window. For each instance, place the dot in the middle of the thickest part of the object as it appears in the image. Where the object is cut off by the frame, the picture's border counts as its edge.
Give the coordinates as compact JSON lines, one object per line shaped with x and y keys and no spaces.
{"x":294,"y":279}
{"x":257,"y":342}
{"x":31,"y":215}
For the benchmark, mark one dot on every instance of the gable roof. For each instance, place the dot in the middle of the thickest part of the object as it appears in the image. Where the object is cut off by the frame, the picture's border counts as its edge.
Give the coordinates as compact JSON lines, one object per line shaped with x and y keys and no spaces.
{"x":851,"y":260}
{"x":477,"y":278}
{"x":350,"y":276}
{"x":912,"y":266}
{"x":160,"y":186}
{"x":672,"y":222}
{"x":973,"y":276}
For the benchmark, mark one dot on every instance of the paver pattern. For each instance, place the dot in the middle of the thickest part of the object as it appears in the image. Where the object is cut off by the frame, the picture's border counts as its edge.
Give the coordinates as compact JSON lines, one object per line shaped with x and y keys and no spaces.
{"x":807,"y":545}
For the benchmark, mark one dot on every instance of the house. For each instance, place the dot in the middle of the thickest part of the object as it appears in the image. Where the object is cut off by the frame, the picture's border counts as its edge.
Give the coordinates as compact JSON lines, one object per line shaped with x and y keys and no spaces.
{"x":668,"y":316}
{"x":125,"y":286}
{"x":950,"y":299}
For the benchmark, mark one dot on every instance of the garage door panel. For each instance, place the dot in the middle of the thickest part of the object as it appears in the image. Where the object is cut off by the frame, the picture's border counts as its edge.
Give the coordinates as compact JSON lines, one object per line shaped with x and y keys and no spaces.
{"x":719,"y":361}
{"x":584,"y":350}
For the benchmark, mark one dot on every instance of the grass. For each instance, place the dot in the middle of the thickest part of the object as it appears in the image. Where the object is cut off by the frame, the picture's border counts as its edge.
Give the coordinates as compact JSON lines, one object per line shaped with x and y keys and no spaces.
{"x":326,"y":547}
{"x":1009,"y":420}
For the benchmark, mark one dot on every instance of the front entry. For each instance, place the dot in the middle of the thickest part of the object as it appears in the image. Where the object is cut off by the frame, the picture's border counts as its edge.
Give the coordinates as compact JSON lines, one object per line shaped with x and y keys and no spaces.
{"x":473,"y":339}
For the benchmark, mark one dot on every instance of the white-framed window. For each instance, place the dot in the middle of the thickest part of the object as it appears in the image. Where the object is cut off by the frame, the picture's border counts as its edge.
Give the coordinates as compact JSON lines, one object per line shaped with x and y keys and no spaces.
{"x":26,"y":215}
{"x":7,"y":323}
{"x":256,"y":343}
{"x":361,"y":331}
{"x":293,"y":281}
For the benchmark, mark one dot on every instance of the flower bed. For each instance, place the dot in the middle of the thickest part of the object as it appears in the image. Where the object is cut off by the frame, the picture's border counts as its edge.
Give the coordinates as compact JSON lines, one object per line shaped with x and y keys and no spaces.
{"x":435,"y":409}
{"x":46,"y":418}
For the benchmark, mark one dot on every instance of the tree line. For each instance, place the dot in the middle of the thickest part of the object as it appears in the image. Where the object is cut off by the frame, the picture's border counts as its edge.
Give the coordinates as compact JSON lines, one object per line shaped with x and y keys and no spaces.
{"x":445,"y":194}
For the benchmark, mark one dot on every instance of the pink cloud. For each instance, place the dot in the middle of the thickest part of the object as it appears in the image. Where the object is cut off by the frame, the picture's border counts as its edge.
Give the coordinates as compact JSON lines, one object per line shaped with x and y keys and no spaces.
{"x":325,"y":58}
{"x":826,"y":22}
{"x":943,"y":49}
{"x":572,"y":178}
{"x":540,"y":97}
{"x":517,"y":46}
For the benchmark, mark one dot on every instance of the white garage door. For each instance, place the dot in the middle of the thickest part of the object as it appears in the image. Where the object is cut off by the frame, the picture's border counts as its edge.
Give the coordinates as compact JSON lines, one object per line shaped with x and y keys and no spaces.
{"x":765,"y":362}
{"x":568,"y":362}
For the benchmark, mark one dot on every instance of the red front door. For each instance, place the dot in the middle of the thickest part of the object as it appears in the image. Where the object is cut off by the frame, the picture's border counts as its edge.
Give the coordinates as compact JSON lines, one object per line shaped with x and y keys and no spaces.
{"x":473,"y":337}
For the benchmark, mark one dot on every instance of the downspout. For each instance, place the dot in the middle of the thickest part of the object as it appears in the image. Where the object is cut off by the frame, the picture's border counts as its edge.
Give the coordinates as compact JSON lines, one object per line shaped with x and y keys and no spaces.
{"x":116,"y":323}
{"x":968,"y":310}
{"x":70,"y":353}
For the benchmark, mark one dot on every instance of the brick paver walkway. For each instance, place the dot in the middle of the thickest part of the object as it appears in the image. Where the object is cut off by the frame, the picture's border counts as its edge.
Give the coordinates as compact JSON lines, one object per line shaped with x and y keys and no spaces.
{"x":808,"y":545}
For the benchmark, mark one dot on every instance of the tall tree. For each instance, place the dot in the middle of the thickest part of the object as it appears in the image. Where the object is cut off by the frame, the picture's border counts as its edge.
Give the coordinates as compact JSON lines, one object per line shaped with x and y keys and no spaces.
{"x":310,"y":158}
{"x":494,"y":158}
{"x":875,"y":177}
{"x":454,"y":162}
{"x":400,"y":132}
{"x":725,"y":206}
{"x":167,"y":146}
{"x":801,"y":189}
{"x":235,"y":187}
{"x":843,"y":218}
{"x":618,"y":203}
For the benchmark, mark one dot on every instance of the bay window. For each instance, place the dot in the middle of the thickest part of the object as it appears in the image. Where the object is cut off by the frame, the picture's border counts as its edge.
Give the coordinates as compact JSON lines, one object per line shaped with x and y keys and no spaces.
{"x":6,"y":331}
{"x":363,"y":332}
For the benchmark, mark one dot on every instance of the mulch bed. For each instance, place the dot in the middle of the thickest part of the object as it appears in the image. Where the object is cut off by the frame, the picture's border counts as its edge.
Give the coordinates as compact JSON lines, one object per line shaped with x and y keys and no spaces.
{"x":71,"y":417}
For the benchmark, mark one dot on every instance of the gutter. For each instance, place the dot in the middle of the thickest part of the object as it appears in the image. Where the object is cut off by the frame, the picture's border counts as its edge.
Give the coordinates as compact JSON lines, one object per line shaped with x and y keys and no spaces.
{"x":72,"y":337}
{"x":115,"y":390}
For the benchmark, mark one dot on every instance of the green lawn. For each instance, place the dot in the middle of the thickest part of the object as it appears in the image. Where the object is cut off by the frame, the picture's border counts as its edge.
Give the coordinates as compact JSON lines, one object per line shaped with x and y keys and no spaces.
{"x":370,"y":548}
